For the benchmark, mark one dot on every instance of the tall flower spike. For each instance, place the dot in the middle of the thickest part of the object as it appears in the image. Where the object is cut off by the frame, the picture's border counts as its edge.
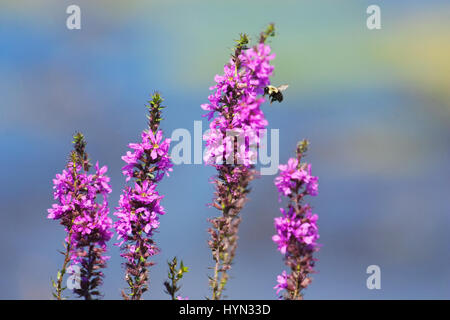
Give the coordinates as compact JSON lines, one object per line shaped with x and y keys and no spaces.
{"x":296,"y":229}
{"x":234,"y":108}
{"x":82,"y":208}
{"x":139,"y":205}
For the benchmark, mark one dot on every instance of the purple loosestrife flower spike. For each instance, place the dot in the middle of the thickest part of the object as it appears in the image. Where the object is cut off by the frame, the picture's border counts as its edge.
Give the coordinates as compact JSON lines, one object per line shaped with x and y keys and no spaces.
{"x":296,"y":229}
{"x":82,"y":208}
{"x":139,"y":205}
{"x":234,"y":107}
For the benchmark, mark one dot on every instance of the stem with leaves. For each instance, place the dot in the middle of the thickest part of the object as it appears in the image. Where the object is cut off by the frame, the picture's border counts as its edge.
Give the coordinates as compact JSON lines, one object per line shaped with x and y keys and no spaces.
{"x":174,"y":275}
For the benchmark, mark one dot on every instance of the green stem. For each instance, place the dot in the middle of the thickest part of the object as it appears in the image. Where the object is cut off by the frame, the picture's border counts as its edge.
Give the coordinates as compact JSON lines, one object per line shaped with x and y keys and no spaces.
{"x":61,"y":273}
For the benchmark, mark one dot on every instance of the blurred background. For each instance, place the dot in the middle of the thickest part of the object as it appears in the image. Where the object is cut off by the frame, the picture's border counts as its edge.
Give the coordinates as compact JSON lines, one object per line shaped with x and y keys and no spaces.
{"x":375,"y":106}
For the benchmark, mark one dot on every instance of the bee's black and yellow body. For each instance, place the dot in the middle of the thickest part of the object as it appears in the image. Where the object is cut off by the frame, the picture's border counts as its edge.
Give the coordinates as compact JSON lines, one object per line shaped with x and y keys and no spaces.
{"x":275,"y":93}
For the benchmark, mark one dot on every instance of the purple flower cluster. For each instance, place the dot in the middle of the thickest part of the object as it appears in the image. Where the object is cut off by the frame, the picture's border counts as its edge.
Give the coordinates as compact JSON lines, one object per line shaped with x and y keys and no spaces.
{"x":289,"y":227}
{"x":297,"y":231}
{"x":152,"y":148}
{"x":232,"y":142}
{"x":237,"y":99}
{"x":85,"y":218}
{"x":291,"y":175}
{"x":82,"y":208}
{"x":282,"y":280}
{"x":139,"y":205}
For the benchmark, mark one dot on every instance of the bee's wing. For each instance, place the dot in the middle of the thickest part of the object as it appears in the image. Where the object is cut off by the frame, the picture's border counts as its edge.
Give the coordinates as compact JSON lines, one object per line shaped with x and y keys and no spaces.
{"x":283,"y":87}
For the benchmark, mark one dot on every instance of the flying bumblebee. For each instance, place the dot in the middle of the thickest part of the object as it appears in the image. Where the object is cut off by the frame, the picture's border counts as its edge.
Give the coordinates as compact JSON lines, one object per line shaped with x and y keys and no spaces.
{"x":275,"y":92}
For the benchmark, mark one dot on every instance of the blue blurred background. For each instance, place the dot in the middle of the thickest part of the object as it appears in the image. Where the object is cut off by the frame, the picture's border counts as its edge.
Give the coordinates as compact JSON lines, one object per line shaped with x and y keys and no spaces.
{"x":375,"y":106}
